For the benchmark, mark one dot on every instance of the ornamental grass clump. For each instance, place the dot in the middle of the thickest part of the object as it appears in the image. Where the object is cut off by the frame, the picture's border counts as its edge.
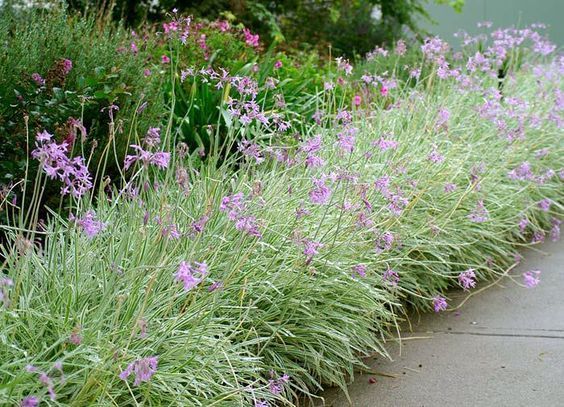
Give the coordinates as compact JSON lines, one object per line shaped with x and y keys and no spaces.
{"x":256,"y":278}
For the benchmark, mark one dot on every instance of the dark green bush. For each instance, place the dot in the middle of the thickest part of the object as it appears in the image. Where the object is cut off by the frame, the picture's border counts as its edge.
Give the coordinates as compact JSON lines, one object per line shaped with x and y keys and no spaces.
{"x":346,"y":25}
{"x":104,"y":71}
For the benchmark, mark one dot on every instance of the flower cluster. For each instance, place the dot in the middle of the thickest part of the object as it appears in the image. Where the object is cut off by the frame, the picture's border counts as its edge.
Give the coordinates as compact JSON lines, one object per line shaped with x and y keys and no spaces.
{"x":439,"y":303}
{"x":89,"y":224}
{"x":190,"y":276}
{"x":236,"y":208}
{"x":311,"y":248}
{"x":531,"y":278}
{"x":276,"y":386}
{"x":143,"y":369}
{"x":467,"y":279}
{"x":57,"y":165}
{"x":252,"y":150}
{"x":250,"y":38}
{"x":320,"y":194}
{"x":360,"y":270}
{"x":159,"y":159}
{"x":480,"y":213}
{"x":391,"y":277}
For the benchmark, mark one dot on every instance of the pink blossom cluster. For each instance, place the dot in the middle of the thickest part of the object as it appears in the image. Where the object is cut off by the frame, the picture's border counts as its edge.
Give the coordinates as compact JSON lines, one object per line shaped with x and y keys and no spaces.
{"x":56,"y":164}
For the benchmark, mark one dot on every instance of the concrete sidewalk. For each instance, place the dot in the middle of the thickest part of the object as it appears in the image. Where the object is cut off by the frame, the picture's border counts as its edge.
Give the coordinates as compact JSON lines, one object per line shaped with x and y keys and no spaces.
{"x":505,"y":347}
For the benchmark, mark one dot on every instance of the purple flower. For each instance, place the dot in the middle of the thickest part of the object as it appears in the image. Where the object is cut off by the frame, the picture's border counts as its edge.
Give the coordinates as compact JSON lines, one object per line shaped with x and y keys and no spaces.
{"x":344,"y":116}
{"x":543,"y":152}
{"x":55,"y":163}
{"x":301,"y":212}
{"x":261,"y":403}
{"x":199,"y":225}
{"x":435,"y":49}
{"x":360,"y":270}
{"x":43,"y":136}
{"x":401,"y":48}
{"x":384,"y":144}
{"x":521,"y":173}
{"x":538,"y":237}
{"x":391,"y":277}
{"x":75,"y":337}
{"x":311,"y":146}
{"x":38,"y":79}
{"x":467,"y":279}
{"x":153,"y":137}
{"x":143,"y":369}
{"x":363,"y":220}
{"x":443,"y":117}
{"x":216,"y":285}
{"x":384,"y":242}
{"x":249,"y":225}
{"x":171,"y":232}
{"x":67,"y":66}
{"x":313,"y":161}
{"x":439,"y":303}
{"x":29,"y":401}
{"x":276,"y":386}
{"x":344,"y":65}
{"x":320,"y":194}
{"x":480,"y":213}
{"x":187,"y":274}
{"x":233,"y":205}
{"x":90,"y":225}
{"x":45,"y":380}
{"x":544,"y":204}
{"x":311,"y":248}
{"x":415,"y":73}
{"x":531,"y":278}
{"x":251,"y":150}
{"x":346,"y":140}
{"x":523,"y":223}
{"x":435,"y":157}
{"x":251,"y":39}
{"x":397,"y":203}
{"x":449,"y":187}
{"x":159,"y":159}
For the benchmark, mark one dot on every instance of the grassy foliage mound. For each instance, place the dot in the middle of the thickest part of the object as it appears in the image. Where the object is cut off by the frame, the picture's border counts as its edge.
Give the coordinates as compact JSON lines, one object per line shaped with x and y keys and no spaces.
{"x":257,"y":278}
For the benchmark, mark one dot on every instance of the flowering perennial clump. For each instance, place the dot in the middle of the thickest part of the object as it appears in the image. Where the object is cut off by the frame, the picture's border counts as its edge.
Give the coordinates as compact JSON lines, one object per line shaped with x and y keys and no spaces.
{"x":326,"y":215}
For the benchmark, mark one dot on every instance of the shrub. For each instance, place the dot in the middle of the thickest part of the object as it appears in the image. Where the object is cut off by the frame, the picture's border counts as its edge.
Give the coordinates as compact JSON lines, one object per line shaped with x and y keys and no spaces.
{"x":101,"y":70}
